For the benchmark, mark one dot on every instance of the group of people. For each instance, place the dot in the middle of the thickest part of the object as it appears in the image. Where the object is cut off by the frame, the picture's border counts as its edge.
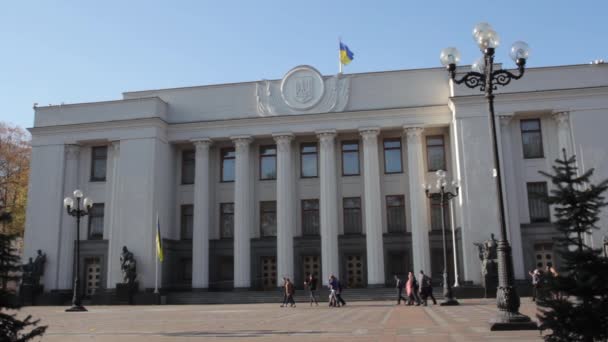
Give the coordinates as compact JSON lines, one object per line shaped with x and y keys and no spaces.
{"x":417,"y":293}
{"x":335,"y":291}
{"x":539,"y":278}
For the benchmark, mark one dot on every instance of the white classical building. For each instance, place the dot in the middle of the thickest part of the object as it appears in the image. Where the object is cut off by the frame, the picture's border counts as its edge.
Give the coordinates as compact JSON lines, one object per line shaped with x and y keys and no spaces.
{"x":259,"y":180}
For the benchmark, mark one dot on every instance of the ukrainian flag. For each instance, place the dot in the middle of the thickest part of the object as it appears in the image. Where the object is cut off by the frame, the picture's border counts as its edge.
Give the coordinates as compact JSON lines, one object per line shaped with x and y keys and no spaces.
{"x":159,"y":241}
{"x":346,"y":56}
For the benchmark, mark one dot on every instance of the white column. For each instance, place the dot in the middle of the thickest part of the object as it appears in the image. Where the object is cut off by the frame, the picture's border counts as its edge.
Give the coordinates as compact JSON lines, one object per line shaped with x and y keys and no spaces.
{"x":510,"y":199}
{"x":114,"y":229}
{"x":242,"y":213}
{"x":372,"y":205}
{"x":286,"y":215}
{"x":200,"y":232}
{"x":68,"y":223}
{"x":418,"y":201}
{"x":563,"y":133}
{"x":328,"y":204}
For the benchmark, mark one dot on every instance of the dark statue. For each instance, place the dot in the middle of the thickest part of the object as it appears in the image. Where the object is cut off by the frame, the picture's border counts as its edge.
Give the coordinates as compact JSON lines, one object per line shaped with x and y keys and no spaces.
{"x":489,"y":265}
{"x":34,"y":269}
{"x":128,"y":266}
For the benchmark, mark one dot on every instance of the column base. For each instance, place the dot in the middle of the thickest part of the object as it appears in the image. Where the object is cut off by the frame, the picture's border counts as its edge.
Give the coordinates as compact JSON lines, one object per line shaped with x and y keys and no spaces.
{"x":375,"y":286}
{"x":76,"y":308}
{"x":506,"y":321}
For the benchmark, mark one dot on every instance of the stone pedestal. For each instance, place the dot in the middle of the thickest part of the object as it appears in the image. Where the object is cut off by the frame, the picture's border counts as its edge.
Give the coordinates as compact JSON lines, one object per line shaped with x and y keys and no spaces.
{"x":29,"y":292}
{"x":125,"y":292}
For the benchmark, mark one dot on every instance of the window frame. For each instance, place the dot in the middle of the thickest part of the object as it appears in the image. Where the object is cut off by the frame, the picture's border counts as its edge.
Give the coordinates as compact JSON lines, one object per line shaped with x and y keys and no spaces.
{"x":384,"y":141}
{"x":386,"y":199}
{"x":303,"y":211}
{"x":90,"y":221}
{"x":184,"y":152}
{"x":546,"y":219}
{"x":428,"y":159}
{"x":94,"y":158}
{"x":262,"y":212}
{"x":302,"y":154}
{"x":262,"y":156}
{"x":222,"y":213}
{"x":446,"y":213}
{"x":344,"y":212}
{"x":182,"y":222}
{"x":348,"y":142}
{"x":222,"y":159}
{"x":539,"y":131}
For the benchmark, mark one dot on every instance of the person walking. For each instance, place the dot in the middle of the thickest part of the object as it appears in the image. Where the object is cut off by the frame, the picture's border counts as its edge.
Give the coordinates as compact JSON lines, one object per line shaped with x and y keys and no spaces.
{"x":339,"y":298}
{"x":536,"y":282}
{"x":284,"y":287}
{"x":426,"y":288}
{"x":416,"y":290}
{"x":311,"y":283}
{"x":332,"y":291}
{"x":400,"y":286}
{"x":289,"y":292}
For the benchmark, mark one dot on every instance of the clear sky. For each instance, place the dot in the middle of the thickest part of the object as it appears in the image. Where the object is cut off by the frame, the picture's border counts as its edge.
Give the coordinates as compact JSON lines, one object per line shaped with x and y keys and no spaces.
{"x":84,"y":51}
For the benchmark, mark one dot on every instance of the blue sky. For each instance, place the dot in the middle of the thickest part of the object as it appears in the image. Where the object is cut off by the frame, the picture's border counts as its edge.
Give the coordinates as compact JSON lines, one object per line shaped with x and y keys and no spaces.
{"x":84,"y":51}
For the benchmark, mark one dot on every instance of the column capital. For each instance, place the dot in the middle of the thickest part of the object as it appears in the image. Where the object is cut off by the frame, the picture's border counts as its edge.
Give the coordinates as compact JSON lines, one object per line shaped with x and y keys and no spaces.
{"x":369,"y":132}
{"x":561,"y":117}
{"x":505,"y":119}
{"x":413,"y":131}
{"x":72,"y":152}
{"x":241,"y":141}
{"x":202,"y":143}
{"x":283,"y":141}
{"x":326,"y":134}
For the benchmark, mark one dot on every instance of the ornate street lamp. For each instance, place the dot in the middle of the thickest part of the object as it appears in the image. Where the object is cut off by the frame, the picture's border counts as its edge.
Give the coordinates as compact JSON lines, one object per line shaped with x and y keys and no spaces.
{"x":444,"y":196}
{"x":68,"y":203}
{"x":487,"y":79}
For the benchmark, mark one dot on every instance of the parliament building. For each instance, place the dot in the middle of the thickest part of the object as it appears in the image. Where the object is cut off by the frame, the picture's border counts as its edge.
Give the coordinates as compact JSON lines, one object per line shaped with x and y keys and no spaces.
{"x":311,"y":173}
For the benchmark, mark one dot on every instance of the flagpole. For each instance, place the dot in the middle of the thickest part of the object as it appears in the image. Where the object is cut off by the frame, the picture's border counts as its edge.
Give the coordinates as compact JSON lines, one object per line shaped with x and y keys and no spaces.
{"x":156,"y":257}
{"x":339,"y":56}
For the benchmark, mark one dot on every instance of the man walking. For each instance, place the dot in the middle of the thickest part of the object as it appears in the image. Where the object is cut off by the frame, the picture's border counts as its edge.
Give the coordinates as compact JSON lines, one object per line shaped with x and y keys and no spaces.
{"x":290,"y":291}
{"x":338,"y":288}
{"x":400,"y":285}
{"x":311,"y":283}
{"x":426,"y":288}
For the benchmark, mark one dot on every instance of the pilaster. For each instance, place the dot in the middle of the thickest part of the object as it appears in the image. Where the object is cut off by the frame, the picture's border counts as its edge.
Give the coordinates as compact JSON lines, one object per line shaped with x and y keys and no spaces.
{"x":200,"y":232}
{"x":68,"y":223}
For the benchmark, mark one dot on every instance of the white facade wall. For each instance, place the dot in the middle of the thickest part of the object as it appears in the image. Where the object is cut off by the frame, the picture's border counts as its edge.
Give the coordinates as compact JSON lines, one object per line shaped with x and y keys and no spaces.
{"x":147,"y":132}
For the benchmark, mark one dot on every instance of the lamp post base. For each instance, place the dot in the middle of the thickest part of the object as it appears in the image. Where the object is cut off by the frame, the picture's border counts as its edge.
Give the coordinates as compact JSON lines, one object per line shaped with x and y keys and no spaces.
{"x":449,"y":302}
{"x":76,"y":308}
{"x":505,"y":321}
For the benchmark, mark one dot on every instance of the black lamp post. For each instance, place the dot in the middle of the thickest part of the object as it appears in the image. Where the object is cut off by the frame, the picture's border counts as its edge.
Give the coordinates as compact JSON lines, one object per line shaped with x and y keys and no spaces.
{"x":487,"y":79}
{"x":68,"y":203}
{"x":444,"y":197}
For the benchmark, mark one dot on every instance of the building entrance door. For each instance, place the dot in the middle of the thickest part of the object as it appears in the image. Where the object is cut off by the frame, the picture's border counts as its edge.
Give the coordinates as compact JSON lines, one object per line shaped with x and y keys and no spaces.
{"x":354,"y":271}
{"x":544,"y":255}
{"x":269,"y":272}
{"x":311,"y":265}
{"x":92,"y":275}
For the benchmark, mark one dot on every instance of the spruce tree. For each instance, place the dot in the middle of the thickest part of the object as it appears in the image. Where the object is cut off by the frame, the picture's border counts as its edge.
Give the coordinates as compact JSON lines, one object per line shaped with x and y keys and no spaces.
{"x":12,"y":328}
{"x":573,"y":305}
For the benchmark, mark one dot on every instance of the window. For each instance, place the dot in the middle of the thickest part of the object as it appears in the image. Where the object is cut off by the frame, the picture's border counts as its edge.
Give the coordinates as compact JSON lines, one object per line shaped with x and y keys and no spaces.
{"x":187,"y":216}
{"x":227,"y":172}
{"x":539,"y":209}
{"x":268,"y":218}
{"x":226,"y":220}
{"x":308,"y":160}
{"x":96,"y":221}
{"x":392,"y":156}
{"x":268,"y":162}
{"x":310,"y":217}
{"x":350,"y":158}
{"x":436,"y":213}
{"x":531,"y":138}
{"x":99,"y":159}
{"x":188,"y":167}
{"x":435,"y":153}
{"x":352,"y":215}
{"x":395,"y":213}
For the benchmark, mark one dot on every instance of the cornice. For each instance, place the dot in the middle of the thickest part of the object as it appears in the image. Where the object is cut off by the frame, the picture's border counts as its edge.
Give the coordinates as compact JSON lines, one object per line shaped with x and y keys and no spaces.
{"x":97,"y":126}
{"x":532,"y":96}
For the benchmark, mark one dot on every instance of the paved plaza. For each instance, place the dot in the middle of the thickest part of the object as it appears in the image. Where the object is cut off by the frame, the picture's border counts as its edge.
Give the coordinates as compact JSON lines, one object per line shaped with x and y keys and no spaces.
{"x":358,"y":321}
